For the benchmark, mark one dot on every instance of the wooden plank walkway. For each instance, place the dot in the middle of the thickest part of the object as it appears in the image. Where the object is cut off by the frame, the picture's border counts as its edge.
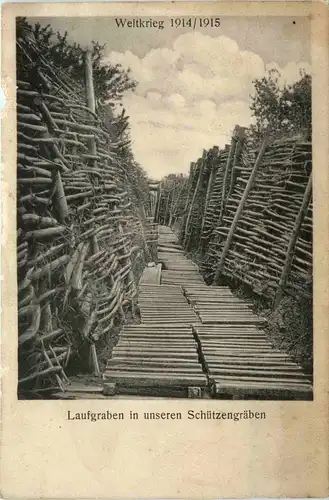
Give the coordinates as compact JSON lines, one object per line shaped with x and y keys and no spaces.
{"x":156,"y":359}
{"x":236,"y":354}
{"x":177,"y":269}
{"x":194,"y":338}
{"x":217,"y":305}
{"x":165,"y":304}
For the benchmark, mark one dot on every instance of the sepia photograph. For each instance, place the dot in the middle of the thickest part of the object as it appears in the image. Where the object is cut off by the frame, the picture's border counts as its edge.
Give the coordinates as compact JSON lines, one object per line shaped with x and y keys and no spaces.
{"x":164,"y":208}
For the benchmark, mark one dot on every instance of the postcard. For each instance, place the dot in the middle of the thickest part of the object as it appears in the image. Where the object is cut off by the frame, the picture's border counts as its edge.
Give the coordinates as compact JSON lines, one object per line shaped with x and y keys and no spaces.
{"x":165,"y":250}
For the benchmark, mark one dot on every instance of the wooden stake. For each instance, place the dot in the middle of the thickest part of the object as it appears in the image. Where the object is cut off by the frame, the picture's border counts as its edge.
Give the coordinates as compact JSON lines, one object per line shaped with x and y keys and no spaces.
{"x":89,"y":82}
{"x":226,"y":173}
{"x":157,"y":208}
{"x":189,"y":186}
{"x":188,"y":219}
{"x":60,"y":199}
{"x":166,"y":212}
{"x":237,"y":152}
{"x":90,"y":95}
{"x":239,"y":211}
{"x":171,"y":206}
{"x":292,"y":243}
{"x":209,"y":189}
{"x":94,"y":360}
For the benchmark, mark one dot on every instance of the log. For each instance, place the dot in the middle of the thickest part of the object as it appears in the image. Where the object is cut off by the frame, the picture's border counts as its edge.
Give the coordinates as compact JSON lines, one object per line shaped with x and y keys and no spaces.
{"x":40,"y":234}
{"x":34,"y":181}
{"x":35,"y":219}
{"x":40,"y":374}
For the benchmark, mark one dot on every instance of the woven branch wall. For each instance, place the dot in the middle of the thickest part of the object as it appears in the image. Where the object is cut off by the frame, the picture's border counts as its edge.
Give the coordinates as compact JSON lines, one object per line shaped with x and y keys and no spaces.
{"x":80,"y":222}
{"x":271,"y":246}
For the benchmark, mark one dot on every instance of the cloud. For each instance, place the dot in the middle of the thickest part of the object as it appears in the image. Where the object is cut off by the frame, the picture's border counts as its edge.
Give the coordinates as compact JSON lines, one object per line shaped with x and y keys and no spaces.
{"x":189,"y":97}
{"x":291,"y":72}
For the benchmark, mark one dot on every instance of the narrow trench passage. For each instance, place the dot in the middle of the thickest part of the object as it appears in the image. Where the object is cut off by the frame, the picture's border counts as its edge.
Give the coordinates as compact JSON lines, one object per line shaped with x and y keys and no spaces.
{"x":196,"y":340}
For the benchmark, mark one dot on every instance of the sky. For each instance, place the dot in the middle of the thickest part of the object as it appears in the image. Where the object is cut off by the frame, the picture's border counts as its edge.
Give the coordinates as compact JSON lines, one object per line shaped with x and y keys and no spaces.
{"x":194,"y":86}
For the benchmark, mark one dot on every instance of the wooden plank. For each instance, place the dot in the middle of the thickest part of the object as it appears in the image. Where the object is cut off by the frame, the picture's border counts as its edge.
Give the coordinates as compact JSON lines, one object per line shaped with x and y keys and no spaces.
{"x":185,"y":342}
{"x":150,"y":380}
{"x":158,"y":345}
{"x":171,"y":298}
{"x":243,"y":353}
{"x":263,"y":390}
{"x":141,"y":327}
{"x":215,"y":300}
{"x":153,"y":363}
{"x":232,"y":320}
{"x":176,"y":308}
{"x":184,"y":334}
{"x":174,"y":370}
{"x":236,"y":345}
{"x":218,"y":305}
{"x":150,"y":349}
{"x":154,"y":354}
{"x":268,"y":385}
{"x":204,"y":329}
{"x":183,"y":321}
{"x":161,"y":338}
{"x":79,"y":395}
{"x":168,"y":325}
{"x":264,"y":379}
{"x":152,"y":319}
{"x":159,"y":361}
{"x":252,"y":361}
{"x":80,"y":387}
{"x":237,"y":349}
{"x":234,"y":336}
{"x":252,"y":372}
{"x":229,"y":329}
{"x":151,"y":274}
{"x":239,"y":340}
{"x":174,"y":315}
{"x":164,"y":289}
{"x":175,"y":312}
{"x":204,"y":295}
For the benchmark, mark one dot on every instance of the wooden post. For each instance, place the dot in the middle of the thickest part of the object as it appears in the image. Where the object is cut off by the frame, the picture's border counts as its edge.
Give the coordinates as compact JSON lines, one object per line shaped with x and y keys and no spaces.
{"x":184,"y":184}
{"x":157,"y":208}
{"x":189,"y":188}
{"x":172,"y":204}
{"x":90,"y":94}
{"x":227,"y":169}
{"x":94,"y":360}
{"x":292,"y":243}
{"x":91,"y":103}
{"x":209,"y":189}
{"x":166,"y":213}
{"x":241,"y":136}
{"x":188,"y":219}
{"x":239,"y":210}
